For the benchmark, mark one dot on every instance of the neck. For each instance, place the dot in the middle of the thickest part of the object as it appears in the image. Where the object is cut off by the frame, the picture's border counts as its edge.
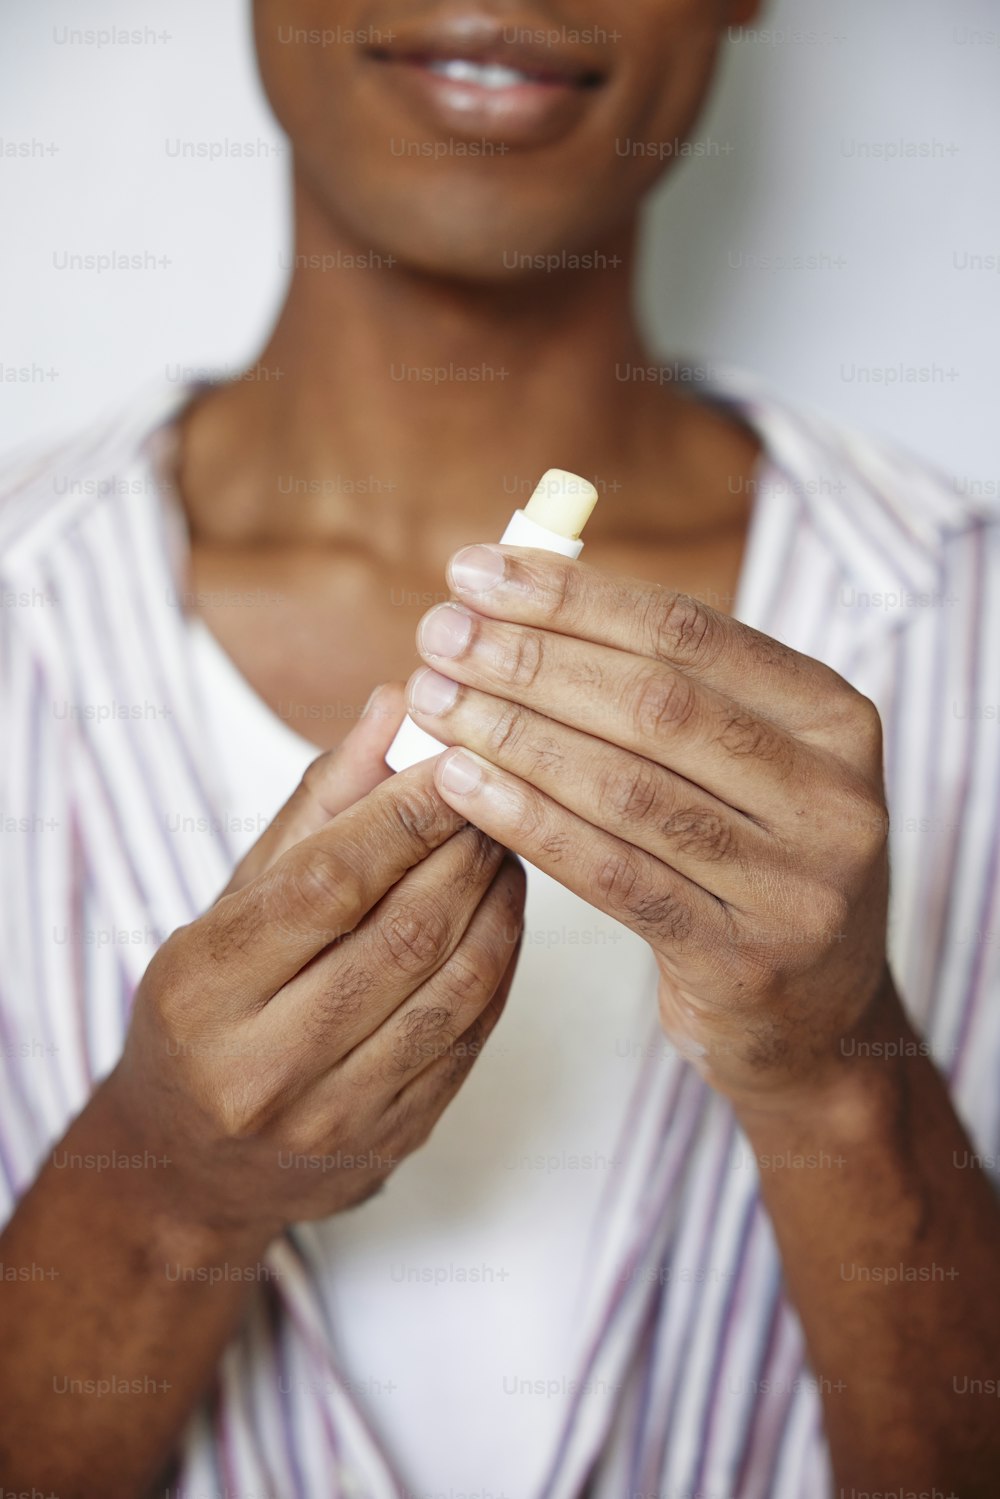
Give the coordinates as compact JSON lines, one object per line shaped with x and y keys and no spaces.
{"x":439,"y":402}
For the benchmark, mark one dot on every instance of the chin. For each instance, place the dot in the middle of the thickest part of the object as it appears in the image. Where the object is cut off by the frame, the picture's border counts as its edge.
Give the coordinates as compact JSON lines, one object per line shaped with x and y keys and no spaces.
{"x":464,"y":227}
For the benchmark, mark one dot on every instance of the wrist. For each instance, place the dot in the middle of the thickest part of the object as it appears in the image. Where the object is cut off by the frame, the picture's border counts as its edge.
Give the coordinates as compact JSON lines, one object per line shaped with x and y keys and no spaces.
{"x":172,"y":1218}
{"x":853,"y":1090}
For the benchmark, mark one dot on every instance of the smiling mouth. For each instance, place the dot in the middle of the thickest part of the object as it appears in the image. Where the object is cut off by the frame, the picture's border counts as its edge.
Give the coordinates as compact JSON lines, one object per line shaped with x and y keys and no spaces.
{"x":465,"y":76}
{"x":491,"y":75}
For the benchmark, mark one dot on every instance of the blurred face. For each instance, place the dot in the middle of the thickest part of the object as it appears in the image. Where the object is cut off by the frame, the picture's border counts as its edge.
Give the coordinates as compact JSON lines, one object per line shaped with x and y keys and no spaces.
{"x":470,"y":137}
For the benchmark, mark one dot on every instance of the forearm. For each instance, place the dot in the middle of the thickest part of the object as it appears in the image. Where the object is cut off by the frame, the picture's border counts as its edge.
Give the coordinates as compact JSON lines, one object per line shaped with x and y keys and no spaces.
{"x":890,"y":1240}
{"x":115,"y":1314}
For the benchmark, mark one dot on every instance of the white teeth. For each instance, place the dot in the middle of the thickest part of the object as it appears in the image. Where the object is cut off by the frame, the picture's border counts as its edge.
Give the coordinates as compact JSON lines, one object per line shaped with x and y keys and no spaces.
{"x":485,"y":74}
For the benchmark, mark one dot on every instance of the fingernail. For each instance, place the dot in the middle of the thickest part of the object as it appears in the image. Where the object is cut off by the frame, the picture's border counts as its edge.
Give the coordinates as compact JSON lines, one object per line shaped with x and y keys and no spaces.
{"x":476,"y":569}
{"x":461,"y":774}
{"x":432,"y":693}
{"x":445,"y":631}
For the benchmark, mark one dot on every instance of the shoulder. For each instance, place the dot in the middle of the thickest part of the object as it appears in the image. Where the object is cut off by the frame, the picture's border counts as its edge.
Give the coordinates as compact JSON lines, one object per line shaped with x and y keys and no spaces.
{"x":48,"y":490}
{"x":899,"y":528}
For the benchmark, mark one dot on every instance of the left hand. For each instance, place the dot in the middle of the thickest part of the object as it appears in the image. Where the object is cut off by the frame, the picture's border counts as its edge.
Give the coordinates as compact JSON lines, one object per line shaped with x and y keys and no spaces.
{"x":712,"y":789}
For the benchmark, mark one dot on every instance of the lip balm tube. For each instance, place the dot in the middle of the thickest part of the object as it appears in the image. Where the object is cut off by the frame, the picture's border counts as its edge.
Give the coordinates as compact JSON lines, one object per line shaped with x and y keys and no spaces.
{"x":552,"y":521}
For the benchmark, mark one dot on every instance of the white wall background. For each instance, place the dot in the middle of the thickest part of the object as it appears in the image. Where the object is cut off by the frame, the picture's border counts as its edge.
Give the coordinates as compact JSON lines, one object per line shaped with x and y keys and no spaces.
{"x":87,"y":129}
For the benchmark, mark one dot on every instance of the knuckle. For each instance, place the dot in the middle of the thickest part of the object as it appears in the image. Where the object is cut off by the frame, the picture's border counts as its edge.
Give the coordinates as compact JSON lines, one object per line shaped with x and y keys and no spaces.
{"x":763,"y":650}
{"x":849,"y":718}
{"x":699,"y":832}
{"x":528,"y":819}
{"x":617,"y":879}
{"x":631,"y":791}
{"x":557,"y":588}
{"x":481,"y":853}
{"x":231,"y":923}
{"x":662,"y":700}
{"x":680,"y":628}
{"x":520,"y":657}
{"x":546,"y":757}
{"x":866,"y":727}
{"x":662,"y":915}
{"x":340,"y":1004}
{"x":419,"y":811}
{"x":461,"y":981}
{"x":168,"y":974}
{"x":874,"y":820}
{"x":507,"y":730}
{"x":554,"y":845}
{"x":745,"y":736}
{"x":865,"y":822}
{"x":586,"y":673}
{"x":655,"y":912}
{"x":173,"y":1016}
{"x":413,"y":936}
{"x":323,"y":885}
{"x":482,"y":857}
{"x":424,"y":1035}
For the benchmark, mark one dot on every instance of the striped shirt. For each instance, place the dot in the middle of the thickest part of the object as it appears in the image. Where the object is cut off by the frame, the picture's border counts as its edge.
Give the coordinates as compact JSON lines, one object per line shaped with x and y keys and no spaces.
{"x":689,"y":1379}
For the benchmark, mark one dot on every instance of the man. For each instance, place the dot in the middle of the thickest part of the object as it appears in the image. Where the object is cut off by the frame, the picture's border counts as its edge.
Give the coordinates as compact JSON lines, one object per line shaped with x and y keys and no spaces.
{"x":749,"y":1255}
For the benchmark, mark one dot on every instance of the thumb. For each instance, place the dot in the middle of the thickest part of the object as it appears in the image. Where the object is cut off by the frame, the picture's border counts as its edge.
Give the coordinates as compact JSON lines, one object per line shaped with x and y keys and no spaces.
{"x":333,"y":781}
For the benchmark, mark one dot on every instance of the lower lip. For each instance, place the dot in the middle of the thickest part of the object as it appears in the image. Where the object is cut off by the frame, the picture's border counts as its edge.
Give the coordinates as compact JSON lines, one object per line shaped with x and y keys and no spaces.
{"x":525,"y":114}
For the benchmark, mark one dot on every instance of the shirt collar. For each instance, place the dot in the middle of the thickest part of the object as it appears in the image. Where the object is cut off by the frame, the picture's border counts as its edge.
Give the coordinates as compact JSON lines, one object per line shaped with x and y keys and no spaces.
{"x":884,"y":515}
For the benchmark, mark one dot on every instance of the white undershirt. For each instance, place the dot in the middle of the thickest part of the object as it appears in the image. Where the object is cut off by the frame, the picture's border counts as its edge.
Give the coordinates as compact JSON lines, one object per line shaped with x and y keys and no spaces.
{"x":461,"y":1281}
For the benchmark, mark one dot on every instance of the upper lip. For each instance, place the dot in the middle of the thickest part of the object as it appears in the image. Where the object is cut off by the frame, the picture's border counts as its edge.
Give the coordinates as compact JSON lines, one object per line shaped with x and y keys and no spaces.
{"x":477,"y":36}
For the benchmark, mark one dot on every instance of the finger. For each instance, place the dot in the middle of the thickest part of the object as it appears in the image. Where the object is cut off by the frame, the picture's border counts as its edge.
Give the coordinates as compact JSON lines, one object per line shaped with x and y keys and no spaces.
{"x":643,"y":804}
{"x":742,"y":758}
{"x":648,"y":619}
{"x":346,"y":993}
{"x":659,"y":904}
{"x":331,"y":783}
{"x":252,"y":942}
{"x":427,"y":1096}
{"x":434,"y":1030}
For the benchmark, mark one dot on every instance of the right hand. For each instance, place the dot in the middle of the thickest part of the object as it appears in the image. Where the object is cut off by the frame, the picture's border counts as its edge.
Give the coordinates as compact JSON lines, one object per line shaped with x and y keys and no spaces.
{"x":291,"y":1046}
